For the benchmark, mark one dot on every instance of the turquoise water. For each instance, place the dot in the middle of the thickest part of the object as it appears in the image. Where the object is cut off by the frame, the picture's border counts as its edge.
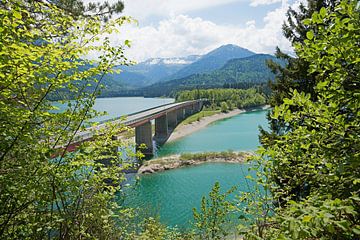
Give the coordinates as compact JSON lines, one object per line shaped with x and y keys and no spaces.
{"x":239,"y":133}
{"x":172,"y":194}
{"x":119,"y":106}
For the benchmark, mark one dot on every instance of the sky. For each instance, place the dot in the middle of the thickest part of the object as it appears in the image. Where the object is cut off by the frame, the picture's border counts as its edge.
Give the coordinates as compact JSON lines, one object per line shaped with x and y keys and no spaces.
{"x":178,"y":28}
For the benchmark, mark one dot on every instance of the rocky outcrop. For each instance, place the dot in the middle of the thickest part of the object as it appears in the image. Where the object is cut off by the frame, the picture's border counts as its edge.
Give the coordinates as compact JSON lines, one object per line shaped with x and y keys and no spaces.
{"x":176,"y":161}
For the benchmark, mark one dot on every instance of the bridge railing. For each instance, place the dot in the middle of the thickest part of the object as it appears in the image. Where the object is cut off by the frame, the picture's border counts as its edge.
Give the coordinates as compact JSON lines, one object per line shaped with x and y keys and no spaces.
{"x":170,"y":109}
{"x":88,"y":134}
{"x":131,"y":114}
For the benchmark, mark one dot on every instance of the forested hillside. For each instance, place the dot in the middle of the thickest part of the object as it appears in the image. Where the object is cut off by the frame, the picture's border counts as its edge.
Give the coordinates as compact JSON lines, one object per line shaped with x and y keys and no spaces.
{"x":230,"y":98}
{"x":250,"y":70}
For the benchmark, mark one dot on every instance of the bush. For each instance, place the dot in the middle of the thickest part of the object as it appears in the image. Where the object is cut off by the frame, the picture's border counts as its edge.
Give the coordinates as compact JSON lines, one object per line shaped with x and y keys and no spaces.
{"x":224,"y":107}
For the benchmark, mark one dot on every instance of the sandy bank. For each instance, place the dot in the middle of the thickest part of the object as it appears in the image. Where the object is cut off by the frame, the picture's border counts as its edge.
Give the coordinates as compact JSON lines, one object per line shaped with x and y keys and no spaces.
{"x":176,"y":161}
{"x":186,"y":129}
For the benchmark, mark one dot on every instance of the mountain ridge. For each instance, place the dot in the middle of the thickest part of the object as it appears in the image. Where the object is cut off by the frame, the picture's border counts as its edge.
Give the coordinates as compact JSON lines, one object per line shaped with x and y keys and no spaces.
{"x":213,"y":60}
{"x":249,"y":71}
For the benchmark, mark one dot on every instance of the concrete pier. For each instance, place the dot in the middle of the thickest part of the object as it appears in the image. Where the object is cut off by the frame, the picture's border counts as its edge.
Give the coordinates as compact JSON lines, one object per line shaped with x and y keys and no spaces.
{"x":161,"y":127}
{"x":189,"y":111}
{"x":172,"y":119}
{"x":143,"y":135}
{"x":180,"y":115}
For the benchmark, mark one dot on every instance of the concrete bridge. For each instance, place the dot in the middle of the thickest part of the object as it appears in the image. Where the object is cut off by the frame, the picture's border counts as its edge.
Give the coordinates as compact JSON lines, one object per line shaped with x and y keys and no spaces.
{"x":166,"y":117}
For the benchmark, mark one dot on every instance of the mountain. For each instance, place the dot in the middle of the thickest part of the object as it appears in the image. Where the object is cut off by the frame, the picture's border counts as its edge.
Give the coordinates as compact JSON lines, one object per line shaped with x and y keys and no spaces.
{"x":152,"y":70}
{"x":248,"y":71}
{"x":156,"y":70}
{"x":212,"y":61}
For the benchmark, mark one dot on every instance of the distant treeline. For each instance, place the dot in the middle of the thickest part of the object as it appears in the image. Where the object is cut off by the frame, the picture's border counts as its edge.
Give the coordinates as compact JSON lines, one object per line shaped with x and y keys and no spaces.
{"x":225,"y":98}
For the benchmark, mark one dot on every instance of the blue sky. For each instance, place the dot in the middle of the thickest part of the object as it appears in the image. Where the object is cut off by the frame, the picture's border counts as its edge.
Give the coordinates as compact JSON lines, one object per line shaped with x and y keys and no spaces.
{"x":175,"y":28}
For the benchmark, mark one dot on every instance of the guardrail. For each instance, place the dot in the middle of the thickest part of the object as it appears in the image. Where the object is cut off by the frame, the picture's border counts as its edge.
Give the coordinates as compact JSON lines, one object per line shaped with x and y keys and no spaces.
{"x":88,"y":134}
{"x":155,"y":113}
{"x":132,"y":114}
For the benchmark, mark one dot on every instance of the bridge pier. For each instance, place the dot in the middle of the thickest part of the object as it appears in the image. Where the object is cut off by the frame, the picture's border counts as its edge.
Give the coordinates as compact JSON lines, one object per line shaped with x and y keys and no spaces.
{"x":172,"y":119}
{"x":180,"y":115}
{"x":143,"y":135}
{"x":197,"y":106}
{"x":161,"y":128}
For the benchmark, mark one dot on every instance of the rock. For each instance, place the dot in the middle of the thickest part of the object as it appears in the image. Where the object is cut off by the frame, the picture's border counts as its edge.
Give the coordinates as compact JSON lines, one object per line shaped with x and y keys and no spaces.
{"x":145,"y":169}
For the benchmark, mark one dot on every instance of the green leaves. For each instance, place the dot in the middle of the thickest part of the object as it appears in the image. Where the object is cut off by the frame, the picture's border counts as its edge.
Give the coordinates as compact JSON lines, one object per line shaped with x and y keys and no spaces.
{"x":312,"y":158}
{"x":211,"y":222}
{"x":310,"y":35}
{"x":45,"y":190}
{"x":17,"y":15}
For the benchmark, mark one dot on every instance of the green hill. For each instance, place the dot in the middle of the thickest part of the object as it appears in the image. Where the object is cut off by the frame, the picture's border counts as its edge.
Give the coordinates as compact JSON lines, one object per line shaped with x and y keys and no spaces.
{"x":250,"y":70}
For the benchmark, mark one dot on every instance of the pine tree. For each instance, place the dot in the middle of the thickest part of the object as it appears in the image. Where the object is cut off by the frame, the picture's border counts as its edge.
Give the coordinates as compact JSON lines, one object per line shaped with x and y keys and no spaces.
{"x":76,"y":8}
{"x":294,"y":75}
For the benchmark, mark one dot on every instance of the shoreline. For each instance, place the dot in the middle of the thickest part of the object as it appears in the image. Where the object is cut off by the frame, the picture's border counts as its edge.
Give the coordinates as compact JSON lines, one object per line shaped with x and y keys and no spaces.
{"x":178,"y":161}
{"x":187,"y":129}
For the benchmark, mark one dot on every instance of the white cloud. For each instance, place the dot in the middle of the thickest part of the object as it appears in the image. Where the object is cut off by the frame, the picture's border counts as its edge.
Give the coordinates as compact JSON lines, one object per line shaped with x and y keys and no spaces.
{"x":256,"y":3}
{"x":141,"y":9}
{"x":180,"y":35}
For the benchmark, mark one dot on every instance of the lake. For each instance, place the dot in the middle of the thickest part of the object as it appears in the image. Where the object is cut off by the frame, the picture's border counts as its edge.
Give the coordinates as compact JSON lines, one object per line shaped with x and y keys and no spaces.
{"x":172,"y":194}
{"x":119,"y":106}
{"x":239,"y":133}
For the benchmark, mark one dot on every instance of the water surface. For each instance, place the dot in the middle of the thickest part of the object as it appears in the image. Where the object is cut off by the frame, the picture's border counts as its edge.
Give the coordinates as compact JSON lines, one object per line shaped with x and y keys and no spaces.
{"x":120,"y":106}
{"x":172,"y":194}
{"x":238,"y":133}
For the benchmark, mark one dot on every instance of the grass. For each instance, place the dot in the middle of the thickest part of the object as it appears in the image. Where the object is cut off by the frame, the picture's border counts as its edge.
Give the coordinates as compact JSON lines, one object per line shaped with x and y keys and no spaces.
{"x":211,"y":155}
{"x":205,"y":156}
{"x":200,"y":115}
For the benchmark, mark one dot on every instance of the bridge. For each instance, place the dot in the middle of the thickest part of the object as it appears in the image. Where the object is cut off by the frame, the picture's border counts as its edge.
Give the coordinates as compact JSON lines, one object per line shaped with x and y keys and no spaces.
{"x":166,"y":117}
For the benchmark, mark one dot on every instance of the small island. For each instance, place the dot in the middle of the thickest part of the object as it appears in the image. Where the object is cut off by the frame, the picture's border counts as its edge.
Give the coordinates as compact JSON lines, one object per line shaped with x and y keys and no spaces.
{"x":188,"y":159}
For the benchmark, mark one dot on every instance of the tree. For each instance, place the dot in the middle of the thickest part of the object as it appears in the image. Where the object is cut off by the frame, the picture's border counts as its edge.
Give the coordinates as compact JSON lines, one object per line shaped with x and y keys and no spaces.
{"x":224,"y":107}
{"x":241,"y":98}
{"x":313,"y":167}
{"x":46,"y":191}
{"x":294,"y":75}
{"x":211,"y":222}
{"x":77,"y":8}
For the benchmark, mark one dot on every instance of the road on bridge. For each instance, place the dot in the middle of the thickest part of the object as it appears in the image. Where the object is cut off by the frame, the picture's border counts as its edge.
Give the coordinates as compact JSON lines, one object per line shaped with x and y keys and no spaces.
{"x":135,"y":119}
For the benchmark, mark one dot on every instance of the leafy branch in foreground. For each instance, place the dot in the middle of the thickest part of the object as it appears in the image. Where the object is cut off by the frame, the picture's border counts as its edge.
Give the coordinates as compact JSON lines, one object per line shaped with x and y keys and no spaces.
{"x":313,"y":168}
{"x":213,"y":218}
{"x":45,"y":190}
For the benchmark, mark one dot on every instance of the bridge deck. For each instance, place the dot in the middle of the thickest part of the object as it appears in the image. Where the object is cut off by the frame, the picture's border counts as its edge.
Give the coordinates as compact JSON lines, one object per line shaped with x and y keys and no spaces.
{"x":136,"y":119}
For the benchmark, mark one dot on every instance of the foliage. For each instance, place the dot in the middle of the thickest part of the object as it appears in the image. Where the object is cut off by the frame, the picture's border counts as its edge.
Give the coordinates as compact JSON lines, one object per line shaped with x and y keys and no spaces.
{"x":151,"y":229}
{"x":211,"y":221}
{"x":46,"y":191}
{"x":224,"y":107}
{"x":295,"y":74}
{"x":313,"y":167}
{"x":77,"y":8}
{"x":211,"y":155}
{"x":255,"y":206}
{"x":198,"y":116}
{"x":235,"y":97}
